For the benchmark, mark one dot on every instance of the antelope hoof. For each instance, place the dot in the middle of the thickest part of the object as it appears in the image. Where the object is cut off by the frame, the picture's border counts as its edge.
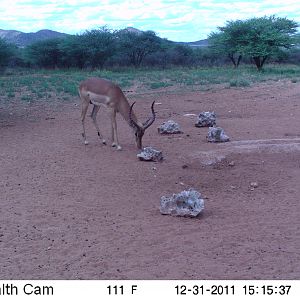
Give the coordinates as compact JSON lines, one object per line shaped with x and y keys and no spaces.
{"x":114,"y":144}
{"x":86,"y":142}
{"x":104,"y":142}
{"x":119,"y":147}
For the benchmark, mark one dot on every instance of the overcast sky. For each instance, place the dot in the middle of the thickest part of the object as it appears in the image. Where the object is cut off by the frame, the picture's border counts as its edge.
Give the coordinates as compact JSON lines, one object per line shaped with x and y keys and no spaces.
{"x":186,"y":20}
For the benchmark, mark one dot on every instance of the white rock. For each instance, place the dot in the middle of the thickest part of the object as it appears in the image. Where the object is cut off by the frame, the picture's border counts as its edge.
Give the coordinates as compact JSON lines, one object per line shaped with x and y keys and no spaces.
{"x":217,"y":135}
{"x":186,"y":203}
{"x":150,"y":154}
{"x":231,"y":164}
{"x":169,"y":127}
{"x":254,"y":184}
{"x":206,"y":119}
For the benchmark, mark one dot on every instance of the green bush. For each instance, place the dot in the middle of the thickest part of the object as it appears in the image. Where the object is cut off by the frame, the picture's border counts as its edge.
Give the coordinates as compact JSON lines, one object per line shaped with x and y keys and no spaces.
{"x":239,"y":83}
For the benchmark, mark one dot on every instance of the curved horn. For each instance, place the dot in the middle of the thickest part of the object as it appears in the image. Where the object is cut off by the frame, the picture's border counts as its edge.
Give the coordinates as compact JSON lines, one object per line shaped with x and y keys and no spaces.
{"x":132,"y":122}
{"x":150,"y":121}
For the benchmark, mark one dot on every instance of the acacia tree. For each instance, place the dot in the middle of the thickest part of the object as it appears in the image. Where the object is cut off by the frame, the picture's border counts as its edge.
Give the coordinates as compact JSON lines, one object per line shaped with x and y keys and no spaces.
{"x":266,"y":37}
{"x":226,"y":41}
{"x":45,"y":53}
{"x":6,"y":52}
{"x":137,"y":45}
{"x":73,"y":51}
{"x":181,"y":55}
{"x":99,"y":45}
{"x":258,"y":38}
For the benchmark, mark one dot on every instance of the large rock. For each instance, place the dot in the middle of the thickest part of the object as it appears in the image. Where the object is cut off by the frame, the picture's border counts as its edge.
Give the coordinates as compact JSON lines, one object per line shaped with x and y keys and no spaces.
{"x":169,"y":127}
{"x":217,"y":135}
{"x":185,"y":204}
{"x":150,"y":154}
{"x":206,"y":119}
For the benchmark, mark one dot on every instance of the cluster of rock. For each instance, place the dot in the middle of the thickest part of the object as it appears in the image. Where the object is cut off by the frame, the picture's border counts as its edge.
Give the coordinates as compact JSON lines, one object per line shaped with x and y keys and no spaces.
{"x":187,"y":203}
{"x":215,"y":134}
{"x":151,"y":154}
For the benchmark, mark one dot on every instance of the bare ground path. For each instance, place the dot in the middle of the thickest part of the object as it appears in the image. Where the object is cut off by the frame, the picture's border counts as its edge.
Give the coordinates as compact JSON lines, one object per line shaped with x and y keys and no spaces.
{"x":70,"y":211}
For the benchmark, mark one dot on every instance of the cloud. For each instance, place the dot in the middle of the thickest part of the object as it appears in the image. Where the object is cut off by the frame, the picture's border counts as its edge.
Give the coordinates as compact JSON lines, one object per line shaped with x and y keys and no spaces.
{"x":185,"y":20}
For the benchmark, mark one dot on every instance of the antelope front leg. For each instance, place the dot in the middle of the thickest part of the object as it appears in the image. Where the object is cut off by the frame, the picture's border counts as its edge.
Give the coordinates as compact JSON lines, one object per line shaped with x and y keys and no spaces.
{"x":114,"y":133}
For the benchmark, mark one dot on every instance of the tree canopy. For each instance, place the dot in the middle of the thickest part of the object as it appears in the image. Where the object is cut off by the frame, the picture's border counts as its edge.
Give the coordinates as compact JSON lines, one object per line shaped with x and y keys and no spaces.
{"x":45,"y":53}
{"x":136,"y":46}
{"x":254,"y":40}
{"x":258,"y":38}
{"x":6,"y":52}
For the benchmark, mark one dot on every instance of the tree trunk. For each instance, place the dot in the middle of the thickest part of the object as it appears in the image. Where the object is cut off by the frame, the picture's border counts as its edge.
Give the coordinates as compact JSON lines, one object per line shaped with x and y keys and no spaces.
{"x":234,"y":61}
{"x":263,"y":60}
{"x":259,"y":61}
{"x":239,"y":60}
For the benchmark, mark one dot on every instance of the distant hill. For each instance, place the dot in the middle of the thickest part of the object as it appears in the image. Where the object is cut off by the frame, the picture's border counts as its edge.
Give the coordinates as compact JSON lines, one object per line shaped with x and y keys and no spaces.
{"x":22,"y":39}
{"x":200,"y":43}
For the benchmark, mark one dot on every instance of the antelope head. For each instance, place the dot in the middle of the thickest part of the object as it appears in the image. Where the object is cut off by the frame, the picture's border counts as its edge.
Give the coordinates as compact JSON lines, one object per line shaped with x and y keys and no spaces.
{"x":139,"y":129}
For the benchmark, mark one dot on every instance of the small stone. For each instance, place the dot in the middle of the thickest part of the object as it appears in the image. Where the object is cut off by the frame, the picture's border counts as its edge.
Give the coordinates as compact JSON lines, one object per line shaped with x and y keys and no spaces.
{"x":169,"y":127}
{"x":189,"y":115}
{"x":254,"y":184}
{"x":231,"y":164}
{"x":150,"y":154}
{"x":186,"y":203}
{"x":217,"y":135}
{"x":206,"y":119}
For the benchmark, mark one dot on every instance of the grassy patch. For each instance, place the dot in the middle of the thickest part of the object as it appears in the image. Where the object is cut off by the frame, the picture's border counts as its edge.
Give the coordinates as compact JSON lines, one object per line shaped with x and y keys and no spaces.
{"x":158,"y":85}
{"x":11,"y":95}
{"x":239,"y":82}
{"x":26,"y":98}
{"x":60,"y":85}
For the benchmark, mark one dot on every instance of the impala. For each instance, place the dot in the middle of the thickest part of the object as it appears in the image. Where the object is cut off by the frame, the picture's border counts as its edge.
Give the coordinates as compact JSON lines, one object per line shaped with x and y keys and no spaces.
{"x":101,"y":92}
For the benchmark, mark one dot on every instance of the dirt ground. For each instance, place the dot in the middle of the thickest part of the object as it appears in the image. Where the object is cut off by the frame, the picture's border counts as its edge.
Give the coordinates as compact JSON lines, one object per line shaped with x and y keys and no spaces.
{"x":70,"y":211}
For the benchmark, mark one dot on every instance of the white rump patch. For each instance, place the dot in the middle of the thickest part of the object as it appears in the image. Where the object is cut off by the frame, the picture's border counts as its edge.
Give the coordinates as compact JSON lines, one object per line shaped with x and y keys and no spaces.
{"x":98,"y":99}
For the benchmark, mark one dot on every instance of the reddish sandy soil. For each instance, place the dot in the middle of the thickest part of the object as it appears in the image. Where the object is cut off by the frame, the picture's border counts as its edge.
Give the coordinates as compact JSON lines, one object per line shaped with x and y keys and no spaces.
{"x":70,"y":211}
